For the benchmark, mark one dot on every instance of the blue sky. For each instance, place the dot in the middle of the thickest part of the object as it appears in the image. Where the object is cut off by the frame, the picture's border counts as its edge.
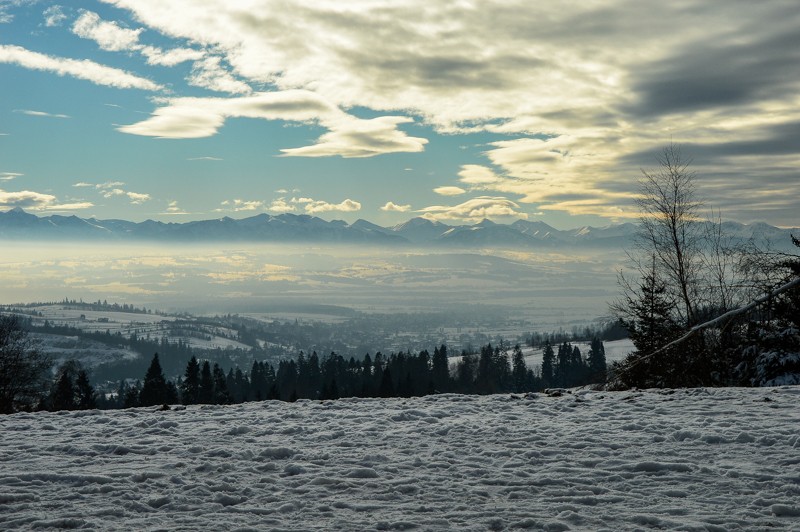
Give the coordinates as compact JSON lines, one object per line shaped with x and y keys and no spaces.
{"x":457,"y":110}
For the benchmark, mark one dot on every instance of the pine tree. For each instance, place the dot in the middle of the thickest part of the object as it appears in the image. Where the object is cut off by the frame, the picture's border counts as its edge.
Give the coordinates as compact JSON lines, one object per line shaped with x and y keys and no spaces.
{"x":221,"y":394}
{"x":87,"y":399}
{"x":205,"y":392}
{"x":63,"y":396}
{"x":190,"y":387}
{"x":519,"y":370}
{"x":440,"y":372}
{"x":154,"y":388}
{"x":548,"y":361}
{"x":597,"y":361}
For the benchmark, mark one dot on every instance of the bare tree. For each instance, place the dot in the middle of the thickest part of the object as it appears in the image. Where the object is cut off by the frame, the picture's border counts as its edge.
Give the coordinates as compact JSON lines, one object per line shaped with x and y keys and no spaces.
{"x":670,"y":228}
{"x":22,"y":367}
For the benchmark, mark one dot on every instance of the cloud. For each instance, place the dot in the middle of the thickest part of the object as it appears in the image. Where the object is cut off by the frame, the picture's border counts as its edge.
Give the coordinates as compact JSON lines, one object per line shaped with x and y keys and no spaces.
{"x":238,"y":205}
{"x":280,"y":205}
{"x":53,"y":16}
{"x":348,"y":136}
{"x":204,"y":159}
{"x":111,"y":189}
{"x":316,"y":207}
{"x":393,"y":207}
{"x":9,"y":176}
{"x":40,"y":113}
{"x":474,"y":210}
{"x":582,"y":87}
{"x":449,"y":191}
{"x":209,"y":73}
{"x":37,"y":201}
{"x":137,"y":198}
{"x":81,"y":69}
{"x":169,"y":58}
{"x":108,"y":35}
{"x":174,"y":209}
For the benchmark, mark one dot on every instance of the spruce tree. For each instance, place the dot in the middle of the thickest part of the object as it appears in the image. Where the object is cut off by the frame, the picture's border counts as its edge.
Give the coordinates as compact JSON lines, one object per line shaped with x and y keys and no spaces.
{"x":190,"y":387}
{"x":597,"y":361}
{"x":519,"y":370}
{"x":205,"y":392}
{"x":548,"y":361}
{"x":154,"y":388}
{"x":87,"y":399}
{"x":63,"y":396}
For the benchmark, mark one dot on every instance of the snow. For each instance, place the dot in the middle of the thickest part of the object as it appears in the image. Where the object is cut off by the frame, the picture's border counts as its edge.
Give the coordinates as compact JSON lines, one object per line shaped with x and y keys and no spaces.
{"x":694,"y":459}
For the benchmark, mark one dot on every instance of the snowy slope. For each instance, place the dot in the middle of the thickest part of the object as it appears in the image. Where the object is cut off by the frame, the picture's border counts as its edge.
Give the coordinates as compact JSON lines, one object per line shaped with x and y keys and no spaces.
{"x":701,"y":459}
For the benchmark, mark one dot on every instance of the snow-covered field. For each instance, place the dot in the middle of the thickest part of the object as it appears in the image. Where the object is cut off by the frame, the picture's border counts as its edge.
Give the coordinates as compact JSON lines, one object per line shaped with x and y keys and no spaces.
{"x":699,"y":459}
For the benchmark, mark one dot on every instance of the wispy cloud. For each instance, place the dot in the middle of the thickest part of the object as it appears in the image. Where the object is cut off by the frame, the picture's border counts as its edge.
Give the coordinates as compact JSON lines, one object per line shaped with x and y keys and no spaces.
{"x":79,"y":68}
{"x":449,"y":191}
{"x":9,"y":176}
{"x":348,"y":136}
{"x":111,"y":189}
{"x":173,"y":209}
{"x":54,"y":16}
{"x":40,"y":113}
{"x":204,"y":159}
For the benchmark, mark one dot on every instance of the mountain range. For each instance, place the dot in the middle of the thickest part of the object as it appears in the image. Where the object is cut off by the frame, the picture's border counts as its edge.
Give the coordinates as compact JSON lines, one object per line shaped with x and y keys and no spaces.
{"x":16,"y":224}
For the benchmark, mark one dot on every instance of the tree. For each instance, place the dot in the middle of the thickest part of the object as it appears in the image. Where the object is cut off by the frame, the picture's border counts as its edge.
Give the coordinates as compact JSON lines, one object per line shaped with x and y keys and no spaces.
{"x":63,"y":394}
{"x":205,"y":394}
{"x":440,"y":371}
{"x":670,"y":231}
{"x":154,"y":388}
{"x":597,"y":361}
{"x":190,"y":387}
{"x":519,"y":370}
{"x":684,"y":275}
{"x":548,"y":361}
{"x":86,"y":396}
{"x":22,"y":367}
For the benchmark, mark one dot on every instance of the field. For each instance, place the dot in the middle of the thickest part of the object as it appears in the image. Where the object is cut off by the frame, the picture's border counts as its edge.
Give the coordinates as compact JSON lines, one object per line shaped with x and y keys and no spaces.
{"x":691,"y":459}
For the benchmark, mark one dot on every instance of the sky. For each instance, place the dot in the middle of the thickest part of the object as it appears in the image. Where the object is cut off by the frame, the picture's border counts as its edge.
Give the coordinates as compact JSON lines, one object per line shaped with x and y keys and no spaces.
{"x":385,"y":110}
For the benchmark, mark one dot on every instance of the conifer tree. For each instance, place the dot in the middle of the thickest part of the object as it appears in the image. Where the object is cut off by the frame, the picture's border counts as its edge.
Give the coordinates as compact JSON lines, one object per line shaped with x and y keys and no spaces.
{"x":440,"y":371}
{"x":519,"y":370}
{"x":597,"y":361}
{"x":63,"y":396}
{"x":87,"y":399}
{"x":205,"y":395}
{"x":190,"y":387}
{"x":548,"y":361}
{"x":154,"y":388}
{"x":221,"y":394}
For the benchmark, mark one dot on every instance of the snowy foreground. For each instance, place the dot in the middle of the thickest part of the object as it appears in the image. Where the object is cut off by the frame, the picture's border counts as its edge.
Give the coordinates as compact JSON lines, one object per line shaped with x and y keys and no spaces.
{"x":702,"y":459}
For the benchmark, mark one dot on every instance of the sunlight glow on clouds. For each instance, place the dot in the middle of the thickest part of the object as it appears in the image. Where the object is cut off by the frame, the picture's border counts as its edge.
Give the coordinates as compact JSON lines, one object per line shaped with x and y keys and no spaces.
{"x":563,"y":106}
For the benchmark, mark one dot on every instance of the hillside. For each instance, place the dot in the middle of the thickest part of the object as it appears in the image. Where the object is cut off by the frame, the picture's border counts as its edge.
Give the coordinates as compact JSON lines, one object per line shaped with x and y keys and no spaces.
{"x":692,"y":459}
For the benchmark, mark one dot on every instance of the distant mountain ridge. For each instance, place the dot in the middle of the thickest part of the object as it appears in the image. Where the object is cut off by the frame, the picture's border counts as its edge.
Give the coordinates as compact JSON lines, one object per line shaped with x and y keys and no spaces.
{"x":16,"y":224}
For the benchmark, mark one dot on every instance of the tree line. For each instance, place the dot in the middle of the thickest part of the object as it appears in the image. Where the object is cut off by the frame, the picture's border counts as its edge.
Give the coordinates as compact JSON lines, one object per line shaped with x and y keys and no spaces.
{"x":494,"y":369}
